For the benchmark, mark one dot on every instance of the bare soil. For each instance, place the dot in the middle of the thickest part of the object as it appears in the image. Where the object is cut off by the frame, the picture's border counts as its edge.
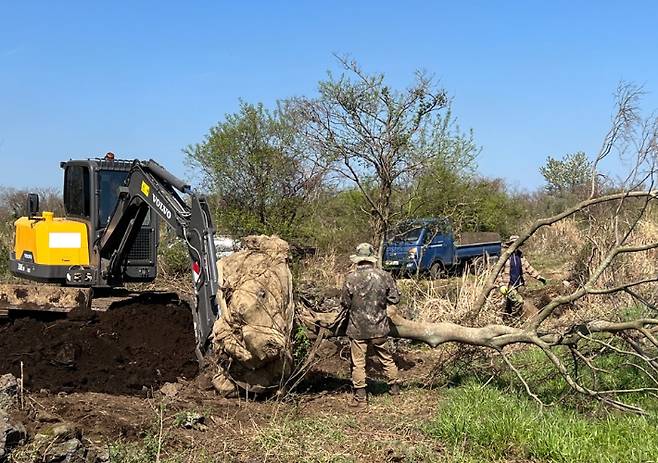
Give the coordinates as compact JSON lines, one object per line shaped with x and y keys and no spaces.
{"x":309,"y":426}
{"x":123,"y":351}
{"x":103,"y":375}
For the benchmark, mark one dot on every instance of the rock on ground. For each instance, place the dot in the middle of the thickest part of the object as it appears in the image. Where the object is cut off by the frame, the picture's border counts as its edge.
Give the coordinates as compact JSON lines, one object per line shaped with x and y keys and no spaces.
{"x":8,"y":385}
{"x":12,"y":434}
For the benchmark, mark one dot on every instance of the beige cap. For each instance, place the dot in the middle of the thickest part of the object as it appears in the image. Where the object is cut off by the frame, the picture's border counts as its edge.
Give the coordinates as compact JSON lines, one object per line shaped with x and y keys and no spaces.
{"x":364,"y":253}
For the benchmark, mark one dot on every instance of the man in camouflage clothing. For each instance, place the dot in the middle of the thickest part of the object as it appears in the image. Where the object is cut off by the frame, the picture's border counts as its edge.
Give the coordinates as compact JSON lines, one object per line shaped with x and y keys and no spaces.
{"x":512,"y":278}
{"x":366,"y":293}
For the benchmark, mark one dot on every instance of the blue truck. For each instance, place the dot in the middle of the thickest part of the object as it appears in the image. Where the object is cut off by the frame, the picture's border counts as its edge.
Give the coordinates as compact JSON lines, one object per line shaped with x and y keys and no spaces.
{"x":429,"y":247}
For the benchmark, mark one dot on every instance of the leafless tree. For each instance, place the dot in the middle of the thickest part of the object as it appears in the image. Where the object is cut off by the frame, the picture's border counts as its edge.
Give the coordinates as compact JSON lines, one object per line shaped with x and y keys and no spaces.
{"x":373,"y":136}
{"x":13,"y":202}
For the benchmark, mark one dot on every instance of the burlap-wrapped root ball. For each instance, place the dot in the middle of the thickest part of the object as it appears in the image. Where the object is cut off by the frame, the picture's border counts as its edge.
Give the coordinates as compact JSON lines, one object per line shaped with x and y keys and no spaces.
{"x":252,"y":336}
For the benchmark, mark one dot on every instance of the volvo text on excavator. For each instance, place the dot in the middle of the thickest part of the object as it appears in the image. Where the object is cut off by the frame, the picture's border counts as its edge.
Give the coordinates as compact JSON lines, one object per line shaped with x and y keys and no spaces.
{"x":109,"y":237}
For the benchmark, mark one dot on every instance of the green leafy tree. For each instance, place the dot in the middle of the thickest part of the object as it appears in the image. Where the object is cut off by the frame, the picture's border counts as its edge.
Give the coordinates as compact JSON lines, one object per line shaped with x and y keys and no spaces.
{"x":338,"y":220}
{"x":568,"y":176}
{"x":257,"y":171}
{"x":472,"y":203}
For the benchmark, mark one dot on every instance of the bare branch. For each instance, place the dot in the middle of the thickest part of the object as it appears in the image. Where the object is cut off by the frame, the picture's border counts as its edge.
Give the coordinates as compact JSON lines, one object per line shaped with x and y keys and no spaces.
{"x":489,"y":285}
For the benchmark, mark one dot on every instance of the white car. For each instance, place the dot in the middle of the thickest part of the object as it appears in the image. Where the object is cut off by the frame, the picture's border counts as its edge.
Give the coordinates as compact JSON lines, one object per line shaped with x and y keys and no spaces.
{"x":225,"y":246}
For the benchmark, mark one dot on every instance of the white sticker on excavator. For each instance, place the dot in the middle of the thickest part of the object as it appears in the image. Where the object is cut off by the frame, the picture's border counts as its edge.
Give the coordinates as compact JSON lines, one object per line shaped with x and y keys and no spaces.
{"x":64,"y":240}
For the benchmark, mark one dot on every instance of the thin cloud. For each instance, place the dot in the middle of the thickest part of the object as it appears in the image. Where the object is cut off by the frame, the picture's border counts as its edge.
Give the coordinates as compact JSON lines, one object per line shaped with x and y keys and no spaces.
{"x":11,"y":51}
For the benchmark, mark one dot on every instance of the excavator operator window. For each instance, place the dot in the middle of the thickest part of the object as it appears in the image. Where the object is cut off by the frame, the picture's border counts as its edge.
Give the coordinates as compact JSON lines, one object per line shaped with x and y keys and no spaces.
{"x":109,"y":182}
{"x":76,"y":191}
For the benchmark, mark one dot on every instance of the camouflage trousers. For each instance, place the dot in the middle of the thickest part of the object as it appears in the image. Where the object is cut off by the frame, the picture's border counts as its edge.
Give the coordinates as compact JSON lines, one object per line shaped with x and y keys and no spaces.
{"x":513,"y":302}
{"x":359,"y":348}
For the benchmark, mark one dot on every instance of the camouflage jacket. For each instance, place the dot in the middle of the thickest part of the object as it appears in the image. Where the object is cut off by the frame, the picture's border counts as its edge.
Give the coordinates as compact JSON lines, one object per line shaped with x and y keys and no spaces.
{"x":505,"y":277}
{"x":366,"y":293}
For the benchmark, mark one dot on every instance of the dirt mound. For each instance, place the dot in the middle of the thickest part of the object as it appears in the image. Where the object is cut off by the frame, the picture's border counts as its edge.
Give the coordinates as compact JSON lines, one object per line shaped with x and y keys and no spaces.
{"x":119,"y":351}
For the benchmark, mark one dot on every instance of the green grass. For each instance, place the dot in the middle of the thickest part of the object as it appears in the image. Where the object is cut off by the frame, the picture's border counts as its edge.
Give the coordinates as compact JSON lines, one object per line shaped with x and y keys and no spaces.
{"x":472,"y":423}
{"x":146,"y":451}
{"x":499,"y":422}
{"x":134,"y":452}
{"x":301,"y":344}
{"x":542,"y":377}
{"x":301,"y":439}
{"x":490,"y":424}
{"x":465,"y":424}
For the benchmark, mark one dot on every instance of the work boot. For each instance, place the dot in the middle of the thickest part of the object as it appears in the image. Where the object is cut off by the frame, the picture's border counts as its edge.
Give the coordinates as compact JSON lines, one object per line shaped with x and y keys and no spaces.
{"x":360,"y":398}
{"x":394,"y":389}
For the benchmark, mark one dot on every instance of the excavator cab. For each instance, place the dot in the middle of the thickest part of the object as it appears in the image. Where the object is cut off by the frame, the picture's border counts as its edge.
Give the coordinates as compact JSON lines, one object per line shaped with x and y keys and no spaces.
{"x":109,"y":236}
{"x":58,"y":249}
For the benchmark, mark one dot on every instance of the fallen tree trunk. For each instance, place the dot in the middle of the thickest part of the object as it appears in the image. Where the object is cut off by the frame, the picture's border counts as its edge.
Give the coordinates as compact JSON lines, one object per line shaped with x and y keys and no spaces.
{"x":432,"y":334}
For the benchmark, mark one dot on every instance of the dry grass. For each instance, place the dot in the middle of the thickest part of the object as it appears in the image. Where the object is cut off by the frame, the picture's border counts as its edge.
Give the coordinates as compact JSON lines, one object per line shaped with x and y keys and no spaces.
{"x":448,"y":299}
{"x":391,"y":429}
{"x":422,"y":299}
{"x":559,"y":243}
{"x":568,"y":250}
{"x":573,"y":248}
{"x":324,"y":270}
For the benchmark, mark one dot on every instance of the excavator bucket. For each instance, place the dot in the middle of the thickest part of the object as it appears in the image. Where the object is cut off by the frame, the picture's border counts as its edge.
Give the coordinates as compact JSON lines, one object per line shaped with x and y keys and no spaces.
{"x":43,"y":298}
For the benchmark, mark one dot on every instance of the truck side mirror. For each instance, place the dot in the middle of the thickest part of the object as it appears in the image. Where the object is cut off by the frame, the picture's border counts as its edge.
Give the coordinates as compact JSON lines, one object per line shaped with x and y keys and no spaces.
{"x":32,"y":205}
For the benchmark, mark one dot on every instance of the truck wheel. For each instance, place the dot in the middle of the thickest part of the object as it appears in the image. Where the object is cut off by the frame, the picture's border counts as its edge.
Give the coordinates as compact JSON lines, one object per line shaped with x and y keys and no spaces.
{"x":437,"y":271}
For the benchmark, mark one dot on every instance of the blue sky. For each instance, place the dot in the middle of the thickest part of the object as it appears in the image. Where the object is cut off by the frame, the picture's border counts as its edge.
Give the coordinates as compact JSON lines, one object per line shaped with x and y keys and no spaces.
{"x":145,"y":79}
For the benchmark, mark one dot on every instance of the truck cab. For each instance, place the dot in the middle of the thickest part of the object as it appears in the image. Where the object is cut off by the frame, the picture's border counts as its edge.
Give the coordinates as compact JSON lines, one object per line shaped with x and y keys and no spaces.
{"x":428,"y":246}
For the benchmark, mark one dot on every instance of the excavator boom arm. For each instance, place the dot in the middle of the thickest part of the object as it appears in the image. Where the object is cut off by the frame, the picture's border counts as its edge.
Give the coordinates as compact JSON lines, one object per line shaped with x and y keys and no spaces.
{"x":151,"y":186}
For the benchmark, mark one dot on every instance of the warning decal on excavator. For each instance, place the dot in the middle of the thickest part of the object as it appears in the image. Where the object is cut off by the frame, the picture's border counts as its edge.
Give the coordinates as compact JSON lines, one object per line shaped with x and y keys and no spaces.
{"x":145,"y":188}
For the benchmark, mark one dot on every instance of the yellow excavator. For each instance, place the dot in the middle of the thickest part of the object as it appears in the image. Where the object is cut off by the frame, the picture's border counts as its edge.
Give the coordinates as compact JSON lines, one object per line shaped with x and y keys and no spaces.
{"x":108,"y":237}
